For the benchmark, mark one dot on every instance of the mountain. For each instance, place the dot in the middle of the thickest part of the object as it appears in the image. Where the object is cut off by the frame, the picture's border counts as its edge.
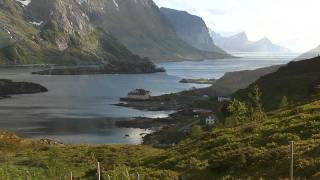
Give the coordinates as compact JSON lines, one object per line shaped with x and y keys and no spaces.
{"x":59,"y":32}
{"x":310,"y":54}
{"x":298,"y":81}
{"x":191,"y":29}
{"x":240,"y":43}
{"x":141,"y":26}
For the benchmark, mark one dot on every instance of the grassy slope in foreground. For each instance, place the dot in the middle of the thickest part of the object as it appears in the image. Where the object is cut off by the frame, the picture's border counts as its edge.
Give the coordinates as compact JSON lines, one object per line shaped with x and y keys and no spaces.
{"x":298,"y":81}
{"x":252,"y":149}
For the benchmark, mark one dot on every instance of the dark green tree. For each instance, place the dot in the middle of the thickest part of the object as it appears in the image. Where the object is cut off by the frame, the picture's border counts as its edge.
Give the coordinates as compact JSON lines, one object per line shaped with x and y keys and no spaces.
{"x":284,"y":102}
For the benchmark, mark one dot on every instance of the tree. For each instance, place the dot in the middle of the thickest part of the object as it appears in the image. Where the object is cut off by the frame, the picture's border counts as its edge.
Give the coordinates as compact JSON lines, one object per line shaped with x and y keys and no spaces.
{"x":284,"y":102}
{"x":238,"y":110}
{"x":256,"y":110}
{"x":195,"y":131}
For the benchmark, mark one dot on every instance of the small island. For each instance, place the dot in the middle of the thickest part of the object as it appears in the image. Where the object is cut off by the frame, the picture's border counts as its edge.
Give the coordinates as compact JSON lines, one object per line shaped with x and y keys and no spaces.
{"x":8,"y":87}
{"x":198,"y":81}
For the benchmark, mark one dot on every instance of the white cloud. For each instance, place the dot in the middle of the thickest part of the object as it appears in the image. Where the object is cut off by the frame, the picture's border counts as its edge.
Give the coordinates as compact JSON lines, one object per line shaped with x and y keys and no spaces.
{"x":292,"y":23}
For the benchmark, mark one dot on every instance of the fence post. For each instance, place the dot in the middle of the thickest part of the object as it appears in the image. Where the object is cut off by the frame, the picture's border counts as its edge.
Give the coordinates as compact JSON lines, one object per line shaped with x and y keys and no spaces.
{"x":138,"y":176}
{"x":291,"y":163}
{"x":71,"y":176}
{"x":98,"y":169}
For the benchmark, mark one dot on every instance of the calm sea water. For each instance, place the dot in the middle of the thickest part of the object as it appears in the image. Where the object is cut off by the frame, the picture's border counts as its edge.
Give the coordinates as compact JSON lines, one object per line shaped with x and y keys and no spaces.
{"x":217,"y":68}
{"x":77,"y":109}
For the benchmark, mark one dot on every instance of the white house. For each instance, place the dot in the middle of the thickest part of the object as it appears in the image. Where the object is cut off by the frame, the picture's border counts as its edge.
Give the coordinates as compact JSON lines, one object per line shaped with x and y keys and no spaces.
{"x":224,"y":99}
{"x":139,"y":94}
{"x":211,"y":120}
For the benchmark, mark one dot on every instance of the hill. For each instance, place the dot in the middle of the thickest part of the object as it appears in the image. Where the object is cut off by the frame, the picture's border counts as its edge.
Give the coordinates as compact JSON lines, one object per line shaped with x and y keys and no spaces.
{"x":234,"y":81}
{"x":298,"y":81}
{"x":310,"y":54}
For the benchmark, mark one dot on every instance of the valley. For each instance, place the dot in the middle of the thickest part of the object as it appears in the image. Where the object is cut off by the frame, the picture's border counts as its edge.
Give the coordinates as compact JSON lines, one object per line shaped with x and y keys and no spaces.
{"x":157,"y":89}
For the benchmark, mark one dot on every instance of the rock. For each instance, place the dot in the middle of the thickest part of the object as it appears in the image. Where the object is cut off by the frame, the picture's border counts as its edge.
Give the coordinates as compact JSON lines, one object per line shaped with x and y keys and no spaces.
{"x":8,"y":136}
{"x":50,"y":142}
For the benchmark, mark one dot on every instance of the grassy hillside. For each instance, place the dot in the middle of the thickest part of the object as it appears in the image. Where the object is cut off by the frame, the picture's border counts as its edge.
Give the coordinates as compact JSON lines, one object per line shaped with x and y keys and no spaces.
{"x":298,"y":81}
{"x":25,"y":159}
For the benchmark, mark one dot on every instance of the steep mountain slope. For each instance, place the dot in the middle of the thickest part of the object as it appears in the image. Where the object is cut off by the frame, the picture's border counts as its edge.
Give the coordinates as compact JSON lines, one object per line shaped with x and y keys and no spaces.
{"x":310,"y":54}
{"x":191,"y":29}
{"x":141,"y":26}
{"x":240,"y":43}
{"x":298,"y":81}
{"x":59,"y":32}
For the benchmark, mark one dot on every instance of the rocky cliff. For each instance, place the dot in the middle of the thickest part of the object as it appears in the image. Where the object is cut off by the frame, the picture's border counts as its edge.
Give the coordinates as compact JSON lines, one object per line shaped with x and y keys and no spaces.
{"x":141,"y":26}
{"x":59,"y":32}
{"x":191,"y":29}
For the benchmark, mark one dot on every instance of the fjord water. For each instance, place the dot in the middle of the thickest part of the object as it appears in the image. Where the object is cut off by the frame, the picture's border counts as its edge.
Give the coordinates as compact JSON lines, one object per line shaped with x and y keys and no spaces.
{"x":215,"y":69}
{"x":79,"y":109}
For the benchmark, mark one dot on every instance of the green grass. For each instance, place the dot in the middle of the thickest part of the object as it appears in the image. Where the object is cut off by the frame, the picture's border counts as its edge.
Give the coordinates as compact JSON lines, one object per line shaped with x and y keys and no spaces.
{"x":254,"y":149}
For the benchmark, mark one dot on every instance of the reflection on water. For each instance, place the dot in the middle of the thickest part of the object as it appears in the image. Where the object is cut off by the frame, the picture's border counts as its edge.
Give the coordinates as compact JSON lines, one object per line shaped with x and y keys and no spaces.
{"x":78,"y":109}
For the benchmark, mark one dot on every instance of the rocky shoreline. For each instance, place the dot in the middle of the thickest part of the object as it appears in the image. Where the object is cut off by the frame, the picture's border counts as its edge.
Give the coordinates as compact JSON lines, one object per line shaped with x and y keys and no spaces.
{"x":89,"y":70}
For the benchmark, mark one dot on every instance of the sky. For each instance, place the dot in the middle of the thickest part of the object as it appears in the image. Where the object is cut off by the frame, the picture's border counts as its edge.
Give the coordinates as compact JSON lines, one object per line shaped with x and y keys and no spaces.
{"x":290,"y":23}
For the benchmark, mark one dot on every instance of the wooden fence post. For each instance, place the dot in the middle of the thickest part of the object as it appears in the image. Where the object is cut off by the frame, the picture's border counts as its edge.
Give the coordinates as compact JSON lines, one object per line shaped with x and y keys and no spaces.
{"x":291,"y":163}
{"x":98,"y":169}
{"x":71,"y":176}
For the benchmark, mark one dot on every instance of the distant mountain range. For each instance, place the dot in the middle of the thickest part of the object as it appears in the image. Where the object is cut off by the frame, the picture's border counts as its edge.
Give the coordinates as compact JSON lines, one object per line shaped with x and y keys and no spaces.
{"x":240,"y":43}
{"x":191,"y":29}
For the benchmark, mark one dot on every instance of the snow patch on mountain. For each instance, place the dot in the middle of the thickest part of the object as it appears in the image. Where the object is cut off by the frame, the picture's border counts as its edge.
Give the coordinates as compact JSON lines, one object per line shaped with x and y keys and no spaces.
{"x":24,"y":2}
{"x":36,"y":23}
